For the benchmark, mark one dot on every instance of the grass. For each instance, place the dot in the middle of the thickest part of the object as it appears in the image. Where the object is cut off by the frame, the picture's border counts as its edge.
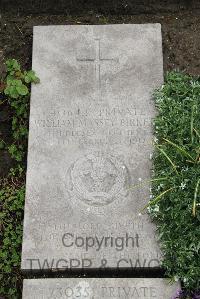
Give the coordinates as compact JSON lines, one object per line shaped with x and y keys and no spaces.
{"x":175,"y":206}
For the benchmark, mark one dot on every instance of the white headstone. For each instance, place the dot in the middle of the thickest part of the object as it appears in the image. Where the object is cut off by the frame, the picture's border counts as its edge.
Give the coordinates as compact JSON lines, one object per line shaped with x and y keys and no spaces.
{"x":90,"y":142}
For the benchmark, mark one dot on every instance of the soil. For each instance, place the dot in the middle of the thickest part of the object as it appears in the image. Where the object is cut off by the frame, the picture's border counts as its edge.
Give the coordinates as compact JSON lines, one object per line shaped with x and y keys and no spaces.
{"x":181,"y":45}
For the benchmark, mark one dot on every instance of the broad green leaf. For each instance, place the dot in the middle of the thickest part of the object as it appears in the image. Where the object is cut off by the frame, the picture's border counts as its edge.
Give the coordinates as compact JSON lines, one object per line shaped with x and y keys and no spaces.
{"x":22,"y":90}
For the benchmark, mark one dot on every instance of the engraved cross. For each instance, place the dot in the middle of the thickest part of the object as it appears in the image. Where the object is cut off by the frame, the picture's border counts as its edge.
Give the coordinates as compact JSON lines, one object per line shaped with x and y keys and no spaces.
{"x":98,"y":60}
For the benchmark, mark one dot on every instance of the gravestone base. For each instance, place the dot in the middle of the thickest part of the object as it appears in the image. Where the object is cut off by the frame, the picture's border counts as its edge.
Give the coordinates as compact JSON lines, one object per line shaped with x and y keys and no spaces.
{"x":98,"y":288}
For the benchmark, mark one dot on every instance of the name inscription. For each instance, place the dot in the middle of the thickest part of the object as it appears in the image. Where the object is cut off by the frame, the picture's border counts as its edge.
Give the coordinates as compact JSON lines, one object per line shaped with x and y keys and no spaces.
{"x":97,"y":126}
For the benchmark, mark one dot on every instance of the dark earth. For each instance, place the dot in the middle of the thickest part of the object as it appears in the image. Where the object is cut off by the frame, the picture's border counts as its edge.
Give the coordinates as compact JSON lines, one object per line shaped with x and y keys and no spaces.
{"x":180,"y":30}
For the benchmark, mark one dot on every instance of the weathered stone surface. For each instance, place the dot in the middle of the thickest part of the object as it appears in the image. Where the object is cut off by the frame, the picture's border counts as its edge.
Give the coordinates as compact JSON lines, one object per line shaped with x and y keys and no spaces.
{"x":98,"y":288}
{"x":90,"y":142}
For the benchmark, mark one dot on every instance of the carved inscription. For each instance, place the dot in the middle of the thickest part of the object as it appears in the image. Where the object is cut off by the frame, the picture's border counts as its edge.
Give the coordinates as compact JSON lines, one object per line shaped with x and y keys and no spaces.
{"x":96,"y":126}
{"x":84,"y":290}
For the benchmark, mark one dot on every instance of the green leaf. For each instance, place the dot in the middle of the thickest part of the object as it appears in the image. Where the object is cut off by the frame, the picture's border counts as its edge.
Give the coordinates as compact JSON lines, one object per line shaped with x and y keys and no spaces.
{"x":195,"y":198}
{"x":22,"y":90}
{"x":12,"y":65}
{"x":180,"y":149}
{"x":16,"y":82}
{"x":12,"y":92}
{"x":30,"y":76}
{"x":168,"y":158}
{"x":154,"y":201}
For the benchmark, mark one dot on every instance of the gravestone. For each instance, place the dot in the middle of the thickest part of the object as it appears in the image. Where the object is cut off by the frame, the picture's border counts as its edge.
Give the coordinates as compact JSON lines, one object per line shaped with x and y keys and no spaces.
{"x":90,"y":144}
{"x":98,"y":288}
